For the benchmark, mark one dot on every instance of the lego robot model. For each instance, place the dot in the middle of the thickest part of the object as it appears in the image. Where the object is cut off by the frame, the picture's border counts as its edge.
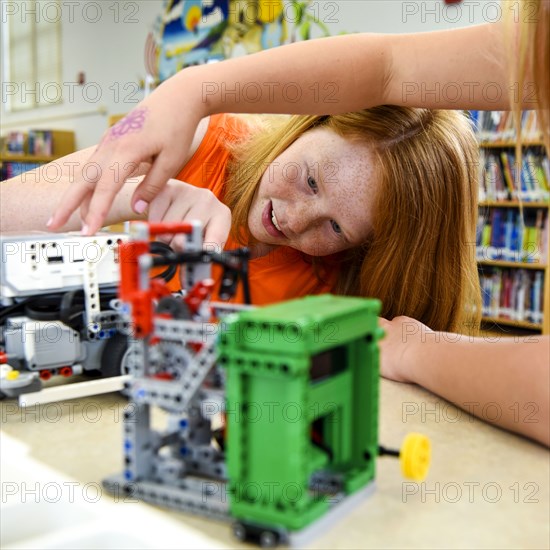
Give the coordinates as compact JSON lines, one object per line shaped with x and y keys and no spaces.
{"x":56,"y":314}
{"x":271,"y":413}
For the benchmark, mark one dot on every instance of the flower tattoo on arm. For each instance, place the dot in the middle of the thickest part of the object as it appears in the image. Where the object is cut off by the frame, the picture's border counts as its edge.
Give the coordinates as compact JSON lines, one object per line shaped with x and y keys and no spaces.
{"x":133,"y":122}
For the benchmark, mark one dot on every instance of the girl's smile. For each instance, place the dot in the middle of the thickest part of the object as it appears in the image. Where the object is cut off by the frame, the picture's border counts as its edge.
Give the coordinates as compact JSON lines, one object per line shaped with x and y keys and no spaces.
{"x":269,"y":221}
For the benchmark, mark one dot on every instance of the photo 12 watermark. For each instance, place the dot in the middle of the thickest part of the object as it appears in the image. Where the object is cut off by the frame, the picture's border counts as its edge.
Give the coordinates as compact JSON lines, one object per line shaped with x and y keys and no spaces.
{"x":50,"y":492}
{"x":69,"y":92}
{"x":50,"y":332}
{"x":247,"y":13}
{"x":68,"y":251}
{"x":469,"y":11}
{"x":67,"y":412}
{"x":469,"y":491}
{"x":289,"y":171}
{"x":462,"y":93}
{"x":468,"y":333}
{"x":253,"y":412}
{"x":470,"y":411}
{"x":270,"y":92}
{"x":74,"y":12}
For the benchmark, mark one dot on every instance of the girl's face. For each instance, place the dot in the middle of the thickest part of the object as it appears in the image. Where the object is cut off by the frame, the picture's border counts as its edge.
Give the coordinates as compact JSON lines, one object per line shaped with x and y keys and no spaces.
{"x":316,"y":196}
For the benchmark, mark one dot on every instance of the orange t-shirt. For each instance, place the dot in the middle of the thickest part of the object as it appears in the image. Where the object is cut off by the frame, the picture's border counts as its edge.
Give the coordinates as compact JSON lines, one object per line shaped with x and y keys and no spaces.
{"x":282,"y":274}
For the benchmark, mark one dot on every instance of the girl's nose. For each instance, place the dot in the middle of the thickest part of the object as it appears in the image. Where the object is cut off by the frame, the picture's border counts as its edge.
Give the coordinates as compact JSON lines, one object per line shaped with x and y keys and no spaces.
{"x":301,"y":216}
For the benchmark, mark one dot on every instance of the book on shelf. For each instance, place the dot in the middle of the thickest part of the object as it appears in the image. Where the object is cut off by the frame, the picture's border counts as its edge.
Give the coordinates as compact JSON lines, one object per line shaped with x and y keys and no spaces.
{"x":15,"y":143}
{"x":12,"y":169}
{"x":504,"y":234}
{"x":40,"y":142}
{"x":514,"y":294}
{"x":496,"y":126}
{"x":499,"y":182}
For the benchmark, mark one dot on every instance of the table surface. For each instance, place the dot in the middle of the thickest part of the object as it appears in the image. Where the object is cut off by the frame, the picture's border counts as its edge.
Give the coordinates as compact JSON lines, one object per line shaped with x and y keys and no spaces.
{"x":486,"y":488}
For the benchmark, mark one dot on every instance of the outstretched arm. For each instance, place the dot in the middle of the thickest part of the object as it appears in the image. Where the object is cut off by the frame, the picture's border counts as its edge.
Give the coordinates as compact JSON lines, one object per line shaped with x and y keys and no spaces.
{"x":505,"y":381}
{"x":458,"y":69}
{"x":451,"y":69}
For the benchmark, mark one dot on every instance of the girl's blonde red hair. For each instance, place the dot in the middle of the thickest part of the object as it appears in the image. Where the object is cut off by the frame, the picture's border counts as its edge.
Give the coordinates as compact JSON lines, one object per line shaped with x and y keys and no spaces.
{"x":420,"y":258}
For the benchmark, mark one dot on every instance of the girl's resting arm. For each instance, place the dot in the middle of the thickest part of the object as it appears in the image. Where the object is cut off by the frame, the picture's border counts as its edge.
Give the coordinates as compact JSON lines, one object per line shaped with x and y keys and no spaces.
{"x":505,"y":381}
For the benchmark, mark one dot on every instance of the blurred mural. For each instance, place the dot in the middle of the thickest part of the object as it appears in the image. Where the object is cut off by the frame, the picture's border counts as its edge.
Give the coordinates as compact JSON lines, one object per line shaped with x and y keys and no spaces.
{"x":191,"y":32}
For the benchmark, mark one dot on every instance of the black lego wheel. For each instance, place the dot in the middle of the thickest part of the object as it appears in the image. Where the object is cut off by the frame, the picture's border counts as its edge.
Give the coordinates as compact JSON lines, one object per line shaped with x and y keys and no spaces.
{"x":268,"y":539}
{"x":239,"y":531}
{"x":112,"y":355}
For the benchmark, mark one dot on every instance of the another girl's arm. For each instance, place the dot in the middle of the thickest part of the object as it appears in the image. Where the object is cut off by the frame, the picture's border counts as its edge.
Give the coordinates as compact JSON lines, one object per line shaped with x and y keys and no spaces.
{"x":25,"y":205}
{"x":505,"y":381}
{"x":26,"y":201}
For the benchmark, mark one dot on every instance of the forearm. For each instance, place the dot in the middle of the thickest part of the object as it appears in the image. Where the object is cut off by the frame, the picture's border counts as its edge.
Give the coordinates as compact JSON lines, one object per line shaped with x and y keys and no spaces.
{"x":444,"y":69}
{"x":26,"y":202}
{"x":506,"y":382}
{"x":321,"y":76}
{"x":465,"y":68}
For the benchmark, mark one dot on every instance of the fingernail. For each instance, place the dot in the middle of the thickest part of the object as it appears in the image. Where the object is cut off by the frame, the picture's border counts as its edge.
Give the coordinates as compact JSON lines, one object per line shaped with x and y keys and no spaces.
{"x":49,"y":222}
{"x":140,"y":206}
{"x":85,"y":229}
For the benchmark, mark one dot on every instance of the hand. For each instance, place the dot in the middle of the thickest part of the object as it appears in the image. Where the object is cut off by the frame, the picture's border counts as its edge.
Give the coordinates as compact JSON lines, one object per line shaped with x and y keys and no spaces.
{"x":157,"y":132}
{"x":399,"y":345}
{"x":179,"y":201}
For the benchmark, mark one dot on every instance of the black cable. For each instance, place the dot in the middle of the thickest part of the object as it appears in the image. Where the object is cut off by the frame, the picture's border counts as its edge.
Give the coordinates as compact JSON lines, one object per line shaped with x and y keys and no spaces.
{"x":163,"y":250}
{"x":70,"y":313}
{"x":244,"y":273}
{"x":235,"y":263}
{"x":44,"y":308}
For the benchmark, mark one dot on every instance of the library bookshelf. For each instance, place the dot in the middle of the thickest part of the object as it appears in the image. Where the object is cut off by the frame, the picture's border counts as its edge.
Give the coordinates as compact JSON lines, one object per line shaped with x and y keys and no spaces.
{"x":13,"y":164}
{"x":513,"y":242}
{"x":512,"y":246}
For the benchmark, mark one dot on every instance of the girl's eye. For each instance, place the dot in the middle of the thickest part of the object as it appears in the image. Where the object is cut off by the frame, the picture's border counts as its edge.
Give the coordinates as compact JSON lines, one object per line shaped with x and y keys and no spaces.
{"x":335,"y":227}
{"x":312,"y":184}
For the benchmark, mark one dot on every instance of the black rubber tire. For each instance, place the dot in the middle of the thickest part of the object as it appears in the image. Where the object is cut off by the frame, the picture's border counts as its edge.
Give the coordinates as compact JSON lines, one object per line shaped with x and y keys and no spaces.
{"x":113,"y":353}
{"x":239,"y":531}
{"x":268,"y":539}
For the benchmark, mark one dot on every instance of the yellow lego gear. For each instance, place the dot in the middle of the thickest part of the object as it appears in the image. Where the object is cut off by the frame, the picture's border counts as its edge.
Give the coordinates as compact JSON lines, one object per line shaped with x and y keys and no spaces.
{"x":415,"y":456}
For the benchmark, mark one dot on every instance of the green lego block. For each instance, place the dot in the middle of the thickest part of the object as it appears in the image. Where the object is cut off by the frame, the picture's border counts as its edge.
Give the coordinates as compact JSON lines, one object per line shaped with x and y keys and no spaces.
{"x":302,"y":399}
